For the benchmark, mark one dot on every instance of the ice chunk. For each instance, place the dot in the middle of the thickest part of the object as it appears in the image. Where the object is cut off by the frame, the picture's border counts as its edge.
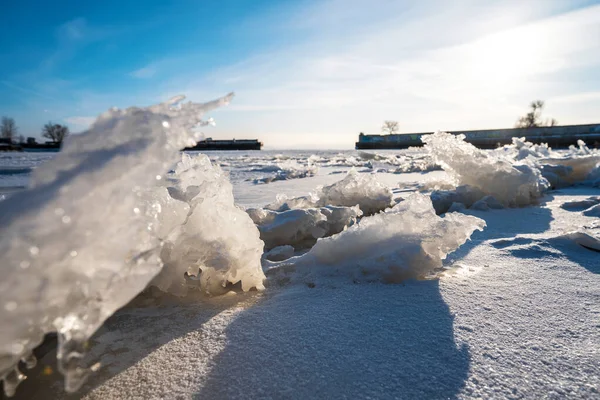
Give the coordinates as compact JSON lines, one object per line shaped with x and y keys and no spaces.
{"x":521,"y":149}
{"x":301,"y":227}
{"x":486,"y":203}
{"x":443,"y":199}
{"x":363,"y":190}
{"x":512,"y":184}
{"x":290,"y":170}
{"x":582,"y":167}
{"x":408,"y":241}
{"x":456,"y":207}
{"x":216,"y":241}
{"x":82,"y":241}
{"x":280,"y":253}
{"x":556,"y":174}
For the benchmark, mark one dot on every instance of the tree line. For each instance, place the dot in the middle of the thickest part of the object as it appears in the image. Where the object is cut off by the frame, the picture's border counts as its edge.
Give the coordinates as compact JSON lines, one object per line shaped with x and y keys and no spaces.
{"x":54,"y":132}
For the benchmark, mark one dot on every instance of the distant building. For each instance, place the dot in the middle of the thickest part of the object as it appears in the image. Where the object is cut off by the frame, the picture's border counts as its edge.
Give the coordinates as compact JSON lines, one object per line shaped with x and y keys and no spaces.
{"x":554,"y":136}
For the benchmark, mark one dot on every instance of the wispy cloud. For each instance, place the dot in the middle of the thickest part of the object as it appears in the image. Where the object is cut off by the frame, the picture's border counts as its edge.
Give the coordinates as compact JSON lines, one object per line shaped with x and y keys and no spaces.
{"x":25,"y":90}
{"x":457,"y":76}
{"x":145,"y":73}
{"x":75,"y":29}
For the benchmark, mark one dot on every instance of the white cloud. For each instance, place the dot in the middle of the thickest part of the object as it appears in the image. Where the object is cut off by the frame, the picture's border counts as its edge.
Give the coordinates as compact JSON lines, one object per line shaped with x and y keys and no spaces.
{"x":457,"y":76}
{"x":577,"y":97}
{"x":144,"y":73}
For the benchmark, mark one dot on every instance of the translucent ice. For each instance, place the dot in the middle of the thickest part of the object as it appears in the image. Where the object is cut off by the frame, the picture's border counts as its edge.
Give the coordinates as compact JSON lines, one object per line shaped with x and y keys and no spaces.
{"x":363,"y":190}
{"x":511,"y":184}
{"x":82,"y":240}
{"x":408,"y":241}
{"x":203,"y":233}
{"x":301,"y":228}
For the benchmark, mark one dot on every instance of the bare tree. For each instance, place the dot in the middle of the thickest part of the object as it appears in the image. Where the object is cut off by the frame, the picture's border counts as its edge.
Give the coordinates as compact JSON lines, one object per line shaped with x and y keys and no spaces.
{"x":534,"y":117}
{"x":390,"y":127}
{"x":55,"y":132}
{"x":8,"y":128}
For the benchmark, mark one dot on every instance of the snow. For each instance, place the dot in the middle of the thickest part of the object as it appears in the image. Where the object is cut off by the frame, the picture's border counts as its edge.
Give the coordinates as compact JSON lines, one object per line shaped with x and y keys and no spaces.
{"x":514,"y":315}
{"x":490,"y":301}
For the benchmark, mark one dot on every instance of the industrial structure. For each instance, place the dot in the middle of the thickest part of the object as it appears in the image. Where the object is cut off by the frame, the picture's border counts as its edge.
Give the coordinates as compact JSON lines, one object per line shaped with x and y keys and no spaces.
{"x":554,"y":136}
{"x":210,"y":144}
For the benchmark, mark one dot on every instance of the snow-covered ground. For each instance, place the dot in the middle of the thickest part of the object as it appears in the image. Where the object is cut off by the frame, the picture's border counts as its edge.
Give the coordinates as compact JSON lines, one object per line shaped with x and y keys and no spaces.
{"x":517,"y":315}
{"x":493,"y":301}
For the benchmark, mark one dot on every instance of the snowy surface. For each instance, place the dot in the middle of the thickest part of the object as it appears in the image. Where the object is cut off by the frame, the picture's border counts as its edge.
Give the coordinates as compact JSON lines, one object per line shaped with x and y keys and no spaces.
{"x":512,"y":313}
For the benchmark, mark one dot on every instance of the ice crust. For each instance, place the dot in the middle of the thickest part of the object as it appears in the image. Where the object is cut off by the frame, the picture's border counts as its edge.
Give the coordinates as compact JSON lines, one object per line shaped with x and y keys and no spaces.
{"x":204,"y":235}
{"x":512,"y":184}
{"x":83,"y":239}
{"x":407,"y":241}
{"x":355,"y":188}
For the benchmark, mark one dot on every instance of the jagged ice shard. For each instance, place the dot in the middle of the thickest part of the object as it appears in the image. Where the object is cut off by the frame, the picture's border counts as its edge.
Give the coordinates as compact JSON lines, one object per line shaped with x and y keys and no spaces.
{"x":83,"y":240}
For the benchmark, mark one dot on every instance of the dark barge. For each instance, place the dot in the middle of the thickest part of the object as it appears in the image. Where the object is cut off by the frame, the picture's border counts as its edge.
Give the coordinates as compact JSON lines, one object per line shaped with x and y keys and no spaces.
{"x":234,"y":144}
{"x":554,"y":136}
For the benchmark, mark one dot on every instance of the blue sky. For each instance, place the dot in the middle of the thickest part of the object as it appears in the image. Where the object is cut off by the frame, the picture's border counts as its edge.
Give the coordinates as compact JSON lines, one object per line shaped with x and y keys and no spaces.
{"x":306,"y":73}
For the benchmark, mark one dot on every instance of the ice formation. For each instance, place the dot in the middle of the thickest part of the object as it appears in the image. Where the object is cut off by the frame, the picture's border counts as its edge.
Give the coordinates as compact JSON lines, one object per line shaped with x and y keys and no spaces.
{"x":521,"y":149}
{"x":407,"y":241}
{"x":405,"y":162}
{"x":280,"y":253}
{"x":511,"y":184}
{"x":363,"y":190}
{"x":576,"y":168}
{"x":560,"y":168}
{"x":82,"y":240}
{"x":288,"y":170}
{"x":301,"y":228}
{"x":204,"y":235}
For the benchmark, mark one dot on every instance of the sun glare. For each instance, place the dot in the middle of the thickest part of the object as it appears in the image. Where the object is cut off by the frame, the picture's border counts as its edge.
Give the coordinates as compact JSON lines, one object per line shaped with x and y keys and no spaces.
{"x":503,"y":60}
